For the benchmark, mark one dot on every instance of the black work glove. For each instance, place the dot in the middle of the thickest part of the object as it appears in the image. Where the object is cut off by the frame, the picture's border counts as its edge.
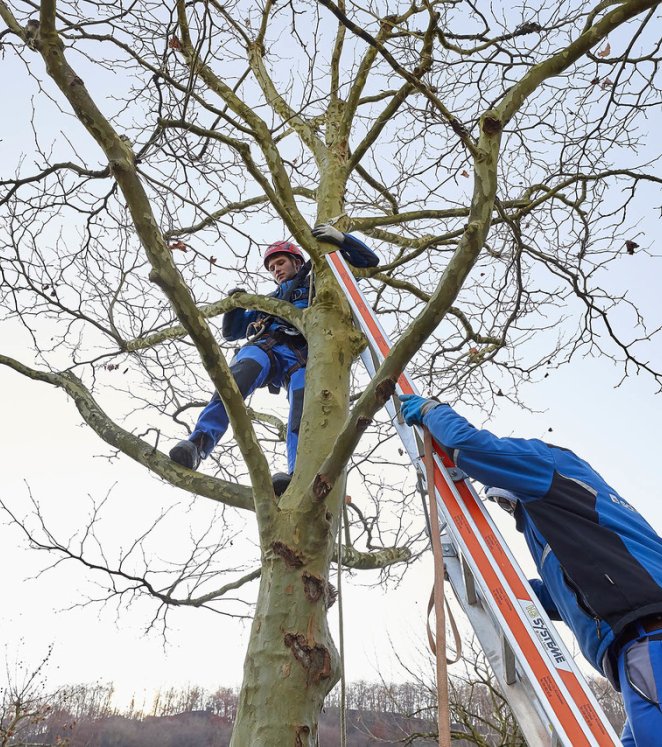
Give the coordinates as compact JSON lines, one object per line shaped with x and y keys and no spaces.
{"x":232,"y":291}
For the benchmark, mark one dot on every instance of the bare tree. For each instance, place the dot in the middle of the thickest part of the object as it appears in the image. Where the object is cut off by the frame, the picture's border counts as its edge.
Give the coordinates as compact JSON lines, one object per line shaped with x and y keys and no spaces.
{"x":610,"y":702}
{"x":26,"y":705}
{"x":498,"y":157}
{"x":478,"y":711}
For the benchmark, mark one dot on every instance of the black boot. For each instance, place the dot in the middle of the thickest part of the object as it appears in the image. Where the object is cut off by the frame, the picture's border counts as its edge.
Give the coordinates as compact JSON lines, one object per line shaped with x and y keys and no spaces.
{"x":186,"y":453}
{"x":280,"y":481}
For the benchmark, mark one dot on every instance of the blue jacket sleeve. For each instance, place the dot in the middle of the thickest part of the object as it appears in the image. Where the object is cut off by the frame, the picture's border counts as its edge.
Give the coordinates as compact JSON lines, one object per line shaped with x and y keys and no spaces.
{"x":544,"y":598}
{"x":235,"y":323}
{"x":357,"y":253}
{"x":524,"y":466}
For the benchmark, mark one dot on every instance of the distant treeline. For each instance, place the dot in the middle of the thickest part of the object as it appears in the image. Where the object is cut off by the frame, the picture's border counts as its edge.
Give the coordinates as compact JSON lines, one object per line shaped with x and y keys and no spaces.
{"x":376,"y":714}
{"x":204,"y":729}
{"x":84,"y":716}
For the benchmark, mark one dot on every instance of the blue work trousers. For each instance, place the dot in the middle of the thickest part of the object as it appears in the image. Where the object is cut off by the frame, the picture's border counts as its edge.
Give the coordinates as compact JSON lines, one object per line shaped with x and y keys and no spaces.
{"x":640,"y":677}
{"x":252,"y":368}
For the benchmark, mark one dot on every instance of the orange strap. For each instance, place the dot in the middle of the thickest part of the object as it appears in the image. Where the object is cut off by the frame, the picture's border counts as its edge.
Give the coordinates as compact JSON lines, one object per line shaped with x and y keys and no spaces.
{"x":437,"y":601}
{"x":457,"y":641}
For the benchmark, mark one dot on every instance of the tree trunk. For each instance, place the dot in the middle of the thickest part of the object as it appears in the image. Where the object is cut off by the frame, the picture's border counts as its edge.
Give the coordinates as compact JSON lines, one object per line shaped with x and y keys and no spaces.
{"x":291,"y":663}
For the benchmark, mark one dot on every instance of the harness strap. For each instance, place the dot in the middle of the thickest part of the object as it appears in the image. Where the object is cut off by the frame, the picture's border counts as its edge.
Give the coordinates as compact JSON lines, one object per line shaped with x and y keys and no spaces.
{"x":269,"y":341}
{"x":298,"y":281}
{"x":300,"y":362}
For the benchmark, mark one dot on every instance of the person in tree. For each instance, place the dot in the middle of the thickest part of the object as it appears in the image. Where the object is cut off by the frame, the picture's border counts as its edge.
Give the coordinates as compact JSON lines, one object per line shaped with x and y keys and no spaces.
{"x":276,"y":352}
{"x":600,"y":562}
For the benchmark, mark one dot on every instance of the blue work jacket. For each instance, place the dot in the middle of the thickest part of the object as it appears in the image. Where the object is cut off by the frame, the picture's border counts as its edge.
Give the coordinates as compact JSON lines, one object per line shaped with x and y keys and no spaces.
{"x":236,"y":323}
{"x":599,"y":560}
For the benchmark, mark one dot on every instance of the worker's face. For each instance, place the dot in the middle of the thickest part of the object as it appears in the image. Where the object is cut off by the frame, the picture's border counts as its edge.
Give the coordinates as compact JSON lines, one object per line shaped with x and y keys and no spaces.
{"x":282,"y":267}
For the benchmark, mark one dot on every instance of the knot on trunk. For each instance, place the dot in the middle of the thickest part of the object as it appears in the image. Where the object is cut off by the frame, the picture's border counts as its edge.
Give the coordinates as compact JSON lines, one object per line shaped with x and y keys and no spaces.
{"x":313,"y":587}
{"x":291,"y":557}
{"x":304,"y":731}
{"x":321,"y":487}
{"x":315,"y":659}
{"x":362,"y":423}
{"x":491,"y":125}
{"x":459,"y":128}
{"x":384,"y":390}
{"x":316,"y":588}
{"x":331,"y":595}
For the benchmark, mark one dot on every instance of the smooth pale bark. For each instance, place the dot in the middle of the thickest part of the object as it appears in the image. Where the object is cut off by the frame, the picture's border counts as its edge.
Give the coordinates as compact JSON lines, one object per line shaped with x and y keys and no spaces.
{"x":288,"y":670}
{"x":291,"y":663}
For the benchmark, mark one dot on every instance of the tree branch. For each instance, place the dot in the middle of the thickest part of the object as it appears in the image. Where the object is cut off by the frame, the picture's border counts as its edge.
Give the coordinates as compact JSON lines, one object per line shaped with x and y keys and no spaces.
{"x":134,"y":447}
{"x":562,"y":60}
{"x":164,"y":272}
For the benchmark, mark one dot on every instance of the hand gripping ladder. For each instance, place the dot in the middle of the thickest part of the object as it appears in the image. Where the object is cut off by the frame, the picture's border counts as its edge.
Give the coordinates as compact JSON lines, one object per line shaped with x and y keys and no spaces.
{"x":548,"y":695}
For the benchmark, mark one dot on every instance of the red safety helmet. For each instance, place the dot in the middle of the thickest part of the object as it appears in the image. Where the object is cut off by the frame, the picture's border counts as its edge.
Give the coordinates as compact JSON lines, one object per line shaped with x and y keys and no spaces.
{"x":283,"y":247}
